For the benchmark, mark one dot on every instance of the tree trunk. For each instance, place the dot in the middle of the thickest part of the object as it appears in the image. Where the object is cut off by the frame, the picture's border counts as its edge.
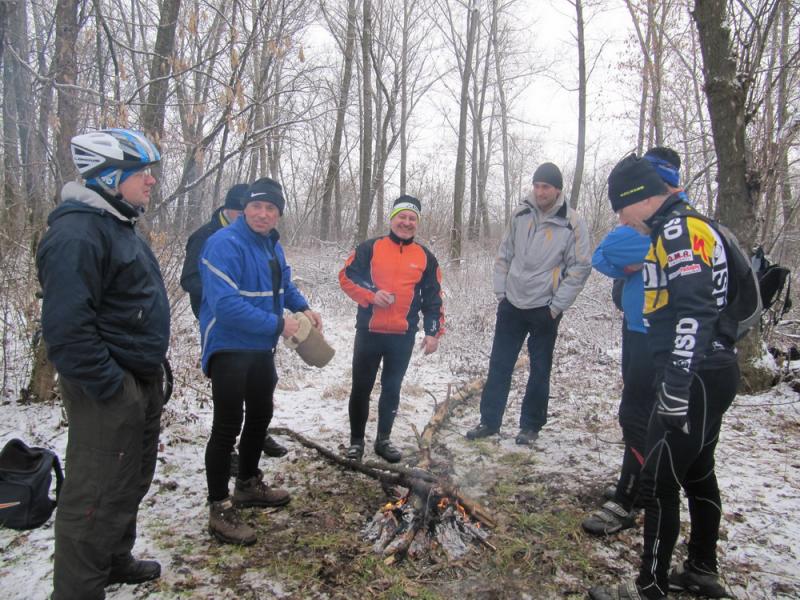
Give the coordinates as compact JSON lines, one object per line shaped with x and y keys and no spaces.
{"x":736,"y":205}
{"x":582,"y":83}
{"x":341,"y":107}
{"x":65,"y":68}
{"x":404,"y":99}
{"x":503,"y":123}
{"x":461,"y":151}
{"x":726,"y":106}
{"x":154,"y":111}
{"x":365,"y":198}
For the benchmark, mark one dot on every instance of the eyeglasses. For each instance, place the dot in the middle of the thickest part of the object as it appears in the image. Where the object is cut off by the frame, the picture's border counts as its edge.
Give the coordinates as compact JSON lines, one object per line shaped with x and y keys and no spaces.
{"x":143,"y":172}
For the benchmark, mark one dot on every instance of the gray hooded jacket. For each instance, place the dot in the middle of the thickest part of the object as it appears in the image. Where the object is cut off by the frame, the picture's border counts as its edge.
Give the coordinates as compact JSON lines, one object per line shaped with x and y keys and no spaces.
{"x":544,"y":258}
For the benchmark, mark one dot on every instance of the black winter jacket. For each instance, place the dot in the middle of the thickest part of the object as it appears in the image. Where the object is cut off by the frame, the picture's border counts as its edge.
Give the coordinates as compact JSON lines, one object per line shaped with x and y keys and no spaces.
{"x":105,"y":308}
{"x":685,"y":289}
{"x":190,"y":274}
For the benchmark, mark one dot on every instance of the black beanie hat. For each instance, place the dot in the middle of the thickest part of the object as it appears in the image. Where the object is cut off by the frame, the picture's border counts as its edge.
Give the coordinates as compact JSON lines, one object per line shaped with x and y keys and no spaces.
{"x":632,"y":180}
{"x":549,"y":173}
{"x":266,"y":190}
{"x":406,"y":202}
{"x":235,"y":198}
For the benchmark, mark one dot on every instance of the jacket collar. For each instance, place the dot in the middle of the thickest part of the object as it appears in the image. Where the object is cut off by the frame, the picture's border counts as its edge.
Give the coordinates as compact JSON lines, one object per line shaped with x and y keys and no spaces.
{"x":400,"y":241}
{"x":656,"y":219}
{"x":117,"y":208}
{"x":559,"y":209}
{"x":241,"y":225}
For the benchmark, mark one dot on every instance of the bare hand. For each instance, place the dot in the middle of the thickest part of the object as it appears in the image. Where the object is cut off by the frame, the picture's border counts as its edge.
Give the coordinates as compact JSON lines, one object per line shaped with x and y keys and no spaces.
{"x":315,"y":318}
{"x":383,"y":299}
{"x":429,"y":344}
{"x":290,"y":327}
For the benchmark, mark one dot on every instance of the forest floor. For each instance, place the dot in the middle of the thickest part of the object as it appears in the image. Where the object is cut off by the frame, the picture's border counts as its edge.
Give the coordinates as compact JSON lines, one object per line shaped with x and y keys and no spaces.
{"x":314,"y":547}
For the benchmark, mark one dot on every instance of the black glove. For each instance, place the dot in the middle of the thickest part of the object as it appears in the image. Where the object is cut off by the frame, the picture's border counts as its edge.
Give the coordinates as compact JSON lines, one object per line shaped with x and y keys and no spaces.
{"x":673,"y":410}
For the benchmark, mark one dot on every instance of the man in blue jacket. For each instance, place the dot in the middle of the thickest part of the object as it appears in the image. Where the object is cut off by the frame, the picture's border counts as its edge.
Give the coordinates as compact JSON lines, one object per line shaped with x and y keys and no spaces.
{"x":246,"y":286}
{"x":191,"y":281}
{"x":621,"y":255}
{"x":105,"y":320}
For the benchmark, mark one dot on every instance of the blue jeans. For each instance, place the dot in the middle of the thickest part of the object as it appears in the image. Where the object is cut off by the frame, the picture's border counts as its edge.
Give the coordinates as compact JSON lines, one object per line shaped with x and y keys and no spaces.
{"x":512,"y":327}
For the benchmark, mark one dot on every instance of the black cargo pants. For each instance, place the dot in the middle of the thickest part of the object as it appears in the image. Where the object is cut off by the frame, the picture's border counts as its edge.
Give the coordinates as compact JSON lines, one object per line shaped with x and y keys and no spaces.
{"x":111,"y":458}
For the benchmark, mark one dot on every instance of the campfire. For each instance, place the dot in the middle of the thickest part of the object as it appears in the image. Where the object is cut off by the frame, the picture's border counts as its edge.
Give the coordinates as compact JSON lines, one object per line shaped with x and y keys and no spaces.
{"x":420,"y":523}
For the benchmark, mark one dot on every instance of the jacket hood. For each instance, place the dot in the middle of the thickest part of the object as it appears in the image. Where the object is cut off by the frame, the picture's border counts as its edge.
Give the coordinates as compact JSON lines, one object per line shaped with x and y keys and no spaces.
{"x":78,"y":198}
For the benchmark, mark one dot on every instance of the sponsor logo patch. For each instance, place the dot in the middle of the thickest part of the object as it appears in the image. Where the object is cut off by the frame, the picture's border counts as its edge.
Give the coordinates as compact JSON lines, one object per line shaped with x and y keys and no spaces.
{"x":681,"y":256}
{"x":689,"y":270}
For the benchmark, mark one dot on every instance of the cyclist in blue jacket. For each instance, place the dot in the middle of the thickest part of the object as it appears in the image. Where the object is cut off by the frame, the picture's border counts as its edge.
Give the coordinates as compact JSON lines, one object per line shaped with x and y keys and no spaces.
{"x":247,"y":284}
{"x":620,"y":256}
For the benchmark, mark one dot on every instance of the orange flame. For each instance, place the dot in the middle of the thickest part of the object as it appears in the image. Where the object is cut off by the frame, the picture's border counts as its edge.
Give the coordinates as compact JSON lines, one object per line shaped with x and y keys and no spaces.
{"x":394,"y":505}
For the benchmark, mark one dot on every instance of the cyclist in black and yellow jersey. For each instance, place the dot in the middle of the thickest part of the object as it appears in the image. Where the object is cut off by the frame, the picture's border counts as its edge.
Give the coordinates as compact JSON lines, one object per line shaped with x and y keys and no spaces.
{"x":685,"y":288}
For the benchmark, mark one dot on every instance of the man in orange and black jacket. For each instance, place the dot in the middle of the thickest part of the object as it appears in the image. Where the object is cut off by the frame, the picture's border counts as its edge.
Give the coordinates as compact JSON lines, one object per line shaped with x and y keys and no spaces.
{"x":393,"y":279}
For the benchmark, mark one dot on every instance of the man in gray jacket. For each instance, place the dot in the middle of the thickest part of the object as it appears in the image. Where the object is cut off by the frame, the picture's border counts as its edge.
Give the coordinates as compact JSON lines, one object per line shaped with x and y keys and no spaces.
{"x":541,"y":266}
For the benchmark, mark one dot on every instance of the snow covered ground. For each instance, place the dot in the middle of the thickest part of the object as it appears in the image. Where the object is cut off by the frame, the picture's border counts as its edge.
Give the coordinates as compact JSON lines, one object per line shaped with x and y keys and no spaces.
{"x":758,"y":456}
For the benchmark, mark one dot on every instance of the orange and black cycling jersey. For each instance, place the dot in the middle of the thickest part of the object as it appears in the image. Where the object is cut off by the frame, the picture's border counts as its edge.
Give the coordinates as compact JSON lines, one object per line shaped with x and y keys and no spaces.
{"x":403,"y":268}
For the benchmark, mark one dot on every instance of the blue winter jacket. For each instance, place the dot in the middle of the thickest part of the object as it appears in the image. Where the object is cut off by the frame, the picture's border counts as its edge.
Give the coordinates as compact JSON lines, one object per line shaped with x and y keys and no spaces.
{"x":625,"y":246}
{"x":246,"y":286}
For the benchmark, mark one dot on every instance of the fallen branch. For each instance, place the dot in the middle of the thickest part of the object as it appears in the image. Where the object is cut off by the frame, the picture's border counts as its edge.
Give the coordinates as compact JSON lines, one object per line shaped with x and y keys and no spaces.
{"x":442,"y":413}
{"x":419,"y":481}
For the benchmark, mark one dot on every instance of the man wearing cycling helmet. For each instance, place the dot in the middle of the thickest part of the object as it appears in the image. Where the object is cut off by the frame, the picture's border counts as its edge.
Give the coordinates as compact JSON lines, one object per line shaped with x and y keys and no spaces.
{"x":105,"y":320}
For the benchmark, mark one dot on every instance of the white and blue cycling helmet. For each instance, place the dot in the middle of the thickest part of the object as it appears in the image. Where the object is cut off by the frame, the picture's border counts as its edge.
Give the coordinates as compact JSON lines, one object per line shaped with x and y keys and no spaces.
{"x":107,"y":157}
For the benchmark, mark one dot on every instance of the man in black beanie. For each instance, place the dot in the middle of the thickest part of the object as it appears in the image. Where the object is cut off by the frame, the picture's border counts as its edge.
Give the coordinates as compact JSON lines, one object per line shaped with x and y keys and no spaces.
{"x":247,"y":285}
{"x":541,"y":267}
{"x":190,"y":274}
{"x":685,"y":291}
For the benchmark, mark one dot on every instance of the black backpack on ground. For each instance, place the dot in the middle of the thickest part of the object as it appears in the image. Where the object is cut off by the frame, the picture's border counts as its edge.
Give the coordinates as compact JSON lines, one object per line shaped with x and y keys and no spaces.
{"x":25,"y":476}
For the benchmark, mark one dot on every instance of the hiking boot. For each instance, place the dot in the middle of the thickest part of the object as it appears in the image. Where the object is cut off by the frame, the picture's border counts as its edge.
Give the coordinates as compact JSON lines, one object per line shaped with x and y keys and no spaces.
{"x":355,"y":451}
{"x":128,"y":570}
{"x":624,"y":591}
{"x":384,"y":448}
{"x":273,"y":448}
{"x":254,"y":492}
{"x":225,"y":525}
{"x":481,"y":431}
{"x":610,"y":518}
{"x":526,"y":437}
{"x":696,"y":580}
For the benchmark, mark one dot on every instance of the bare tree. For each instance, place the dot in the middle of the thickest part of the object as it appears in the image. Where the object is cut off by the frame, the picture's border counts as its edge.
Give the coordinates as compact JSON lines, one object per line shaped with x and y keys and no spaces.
{"x":473,"y":17}
{"x":341,"y":107}
{"x":577,"y":177}
{"x":154,"y":111}
{"x":365,"y":198}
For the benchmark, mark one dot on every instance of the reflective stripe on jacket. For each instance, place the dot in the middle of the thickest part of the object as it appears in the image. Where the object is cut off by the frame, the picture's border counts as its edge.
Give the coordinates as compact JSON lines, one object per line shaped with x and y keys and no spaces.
{"x":246,"y":286}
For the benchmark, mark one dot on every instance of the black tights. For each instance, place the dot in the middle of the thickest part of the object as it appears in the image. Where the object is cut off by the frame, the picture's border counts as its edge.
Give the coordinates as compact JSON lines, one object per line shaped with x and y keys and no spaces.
{"x":368,"y":351}
{"x":676,"y":460}
{"x":242,"y":385}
